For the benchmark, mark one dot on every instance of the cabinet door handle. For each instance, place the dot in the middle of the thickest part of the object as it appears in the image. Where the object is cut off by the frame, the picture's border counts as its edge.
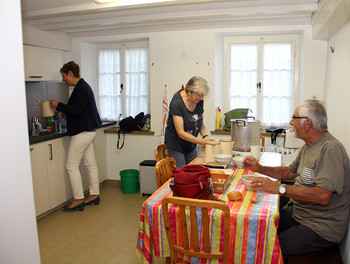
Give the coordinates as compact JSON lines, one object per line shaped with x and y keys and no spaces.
{"x":51,"y":153}
{"x":35,"y":76}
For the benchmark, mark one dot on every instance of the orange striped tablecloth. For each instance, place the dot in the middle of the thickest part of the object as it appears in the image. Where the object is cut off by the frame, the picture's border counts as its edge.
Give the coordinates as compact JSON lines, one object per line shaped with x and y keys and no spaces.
{"x":253,"y":232}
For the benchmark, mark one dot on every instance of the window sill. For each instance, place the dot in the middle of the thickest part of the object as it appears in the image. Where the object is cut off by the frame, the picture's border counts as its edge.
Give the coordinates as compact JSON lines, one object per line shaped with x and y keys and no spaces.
{"x":224,"y":132}
{"x":115,"y":130}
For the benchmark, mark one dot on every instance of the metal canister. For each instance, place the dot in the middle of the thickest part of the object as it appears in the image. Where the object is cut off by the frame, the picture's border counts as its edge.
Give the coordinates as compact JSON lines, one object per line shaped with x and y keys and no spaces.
{"x":56,"y":126}
{"x":245,"y":133}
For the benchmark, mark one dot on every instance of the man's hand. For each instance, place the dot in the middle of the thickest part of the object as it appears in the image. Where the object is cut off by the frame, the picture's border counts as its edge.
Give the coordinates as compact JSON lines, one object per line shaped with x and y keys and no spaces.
{"x":251,"y":164}
{"x":265,"y":184}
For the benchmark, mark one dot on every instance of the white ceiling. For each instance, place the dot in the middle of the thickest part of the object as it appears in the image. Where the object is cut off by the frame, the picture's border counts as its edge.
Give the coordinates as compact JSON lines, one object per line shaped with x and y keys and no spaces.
{"x":86,"y":18}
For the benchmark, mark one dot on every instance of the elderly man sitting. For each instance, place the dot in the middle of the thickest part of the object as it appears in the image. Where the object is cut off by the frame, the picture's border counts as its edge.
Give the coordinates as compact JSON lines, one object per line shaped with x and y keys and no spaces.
{"x":318,"y":215}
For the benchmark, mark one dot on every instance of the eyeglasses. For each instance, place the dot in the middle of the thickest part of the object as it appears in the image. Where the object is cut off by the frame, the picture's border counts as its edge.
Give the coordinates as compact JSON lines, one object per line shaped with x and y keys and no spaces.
{"x":299,"y":117}
{"x":200,"y":95}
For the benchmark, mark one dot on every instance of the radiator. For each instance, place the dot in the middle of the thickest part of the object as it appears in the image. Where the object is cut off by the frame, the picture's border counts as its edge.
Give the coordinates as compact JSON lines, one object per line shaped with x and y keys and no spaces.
{"x":288,"y":155}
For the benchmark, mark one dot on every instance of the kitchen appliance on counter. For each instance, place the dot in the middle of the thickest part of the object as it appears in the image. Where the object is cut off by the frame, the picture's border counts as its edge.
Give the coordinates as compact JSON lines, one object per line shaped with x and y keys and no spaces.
{"x":245,"y":133}
{"x":56,"y":126}
{"x":47,"y":111}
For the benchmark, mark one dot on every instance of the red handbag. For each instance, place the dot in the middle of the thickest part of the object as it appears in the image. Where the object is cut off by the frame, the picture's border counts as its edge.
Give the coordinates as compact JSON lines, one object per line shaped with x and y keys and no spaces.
{"x":192,"y":181}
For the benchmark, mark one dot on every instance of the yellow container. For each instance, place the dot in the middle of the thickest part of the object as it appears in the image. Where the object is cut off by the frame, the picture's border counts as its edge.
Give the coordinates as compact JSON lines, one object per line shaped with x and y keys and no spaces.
{"x":218,"y":119}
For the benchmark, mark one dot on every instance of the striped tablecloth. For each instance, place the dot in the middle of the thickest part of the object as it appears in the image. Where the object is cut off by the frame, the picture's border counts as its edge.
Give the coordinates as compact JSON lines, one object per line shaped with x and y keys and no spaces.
{"x":253,"y":232}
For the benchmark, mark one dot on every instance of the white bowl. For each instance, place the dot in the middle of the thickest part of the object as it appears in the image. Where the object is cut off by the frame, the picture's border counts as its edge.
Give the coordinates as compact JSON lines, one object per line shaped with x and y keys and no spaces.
{"x":238,"y":160}
{"x":246,"y":179}
{"x":223,"y":158}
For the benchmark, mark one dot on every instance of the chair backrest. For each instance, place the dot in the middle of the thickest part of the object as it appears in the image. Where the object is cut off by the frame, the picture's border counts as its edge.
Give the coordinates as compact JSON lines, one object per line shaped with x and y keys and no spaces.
{"x":161,"y":152}
{"x":262,"y":141}
{"x":201,"y":243}
{"x":164,"y":170}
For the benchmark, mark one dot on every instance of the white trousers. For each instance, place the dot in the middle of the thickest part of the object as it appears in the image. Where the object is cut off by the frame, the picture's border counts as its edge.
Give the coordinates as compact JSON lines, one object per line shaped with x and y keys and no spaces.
{"x":81,"y":147}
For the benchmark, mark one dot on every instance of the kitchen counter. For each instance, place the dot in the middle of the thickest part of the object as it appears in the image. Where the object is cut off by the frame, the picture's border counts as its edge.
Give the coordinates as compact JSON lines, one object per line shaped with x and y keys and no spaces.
{"x":51,"y":135}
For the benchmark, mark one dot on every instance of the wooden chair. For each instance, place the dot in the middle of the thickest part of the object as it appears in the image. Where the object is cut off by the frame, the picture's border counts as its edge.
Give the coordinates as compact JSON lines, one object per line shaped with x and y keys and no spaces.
{"x":161,"y":152}
{"x":198,"y":242}
{"x":164,"y":170}
{"x":262,"y":141}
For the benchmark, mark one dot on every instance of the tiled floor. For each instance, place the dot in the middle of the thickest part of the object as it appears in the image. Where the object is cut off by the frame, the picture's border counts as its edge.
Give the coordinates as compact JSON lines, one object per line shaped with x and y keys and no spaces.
{"x":102,"y":234}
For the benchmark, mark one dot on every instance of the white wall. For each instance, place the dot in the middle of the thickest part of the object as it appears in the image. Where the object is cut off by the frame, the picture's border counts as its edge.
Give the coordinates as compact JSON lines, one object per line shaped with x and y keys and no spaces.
{"x":18,"y":231}
{"x":175,"y":57}
{"x":337,"y":94}
{"x":337,"y":91}
{"x":136,"y":149}
{"x":89,"y":70}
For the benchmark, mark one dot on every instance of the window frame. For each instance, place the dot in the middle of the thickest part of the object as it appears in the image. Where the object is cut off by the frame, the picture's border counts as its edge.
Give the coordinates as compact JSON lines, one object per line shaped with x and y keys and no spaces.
{"x":259,"y":39}
{"x":123,"y":45}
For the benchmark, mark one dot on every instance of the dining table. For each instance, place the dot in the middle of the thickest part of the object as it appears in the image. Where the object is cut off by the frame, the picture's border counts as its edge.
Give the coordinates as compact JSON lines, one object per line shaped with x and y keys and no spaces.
{"x":253,"y":226}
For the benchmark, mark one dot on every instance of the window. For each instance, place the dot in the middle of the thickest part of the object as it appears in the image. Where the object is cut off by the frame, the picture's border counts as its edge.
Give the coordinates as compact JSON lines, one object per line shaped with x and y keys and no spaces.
{"x":123,"y":79}
{"x":261,"y":75}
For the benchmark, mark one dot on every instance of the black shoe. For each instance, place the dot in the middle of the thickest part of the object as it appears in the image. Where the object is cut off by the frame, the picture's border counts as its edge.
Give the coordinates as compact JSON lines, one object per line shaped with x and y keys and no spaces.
{"x":79,"y":207}
{"x":95,"y":201}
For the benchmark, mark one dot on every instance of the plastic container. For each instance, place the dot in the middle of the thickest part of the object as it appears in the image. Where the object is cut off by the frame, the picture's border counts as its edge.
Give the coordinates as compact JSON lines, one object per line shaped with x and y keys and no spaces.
{"x":218,"y":119}
{"x":120,"y":117}
{"x":130,"y":181}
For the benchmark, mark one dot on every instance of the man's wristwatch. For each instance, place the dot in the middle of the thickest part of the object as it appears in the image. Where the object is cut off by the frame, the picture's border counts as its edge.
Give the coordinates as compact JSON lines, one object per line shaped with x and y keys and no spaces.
{"x":282,"y":189}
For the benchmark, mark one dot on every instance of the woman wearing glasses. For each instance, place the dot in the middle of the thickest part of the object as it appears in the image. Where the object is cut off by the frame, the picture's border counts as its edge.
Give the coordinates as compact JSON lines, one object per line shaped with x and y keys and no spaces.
{"x":185,"y":122}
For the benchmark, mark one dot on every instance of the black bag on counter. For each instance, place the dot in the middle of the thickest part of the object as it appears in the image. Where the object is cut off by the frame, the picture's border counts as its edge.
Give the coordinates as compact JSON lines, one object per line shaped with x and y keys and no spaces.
{"x":274,"y":132}
{"x":129,"y":124}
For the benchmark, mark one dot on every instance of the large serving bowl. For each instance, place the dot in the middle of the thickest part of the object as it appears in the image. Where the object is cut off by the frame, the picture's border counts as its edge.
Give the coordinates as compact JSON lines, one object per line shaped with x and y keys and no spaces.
{"x":238,"y":160}
{"x":223,"y":158}
{"x":246,"y":179}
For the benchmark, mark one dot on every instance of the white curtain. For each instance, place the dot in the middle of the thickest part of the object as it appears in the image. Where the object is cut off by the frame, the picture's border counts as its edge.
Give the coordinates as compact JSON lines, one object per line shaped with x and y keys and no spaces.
{"x":272,"y":65}
{"x":243,"y":76}
{"x":136,"y":81}
{"x":127,"y":67}
{"x":110,"y":100}
{"x":278,"y":83}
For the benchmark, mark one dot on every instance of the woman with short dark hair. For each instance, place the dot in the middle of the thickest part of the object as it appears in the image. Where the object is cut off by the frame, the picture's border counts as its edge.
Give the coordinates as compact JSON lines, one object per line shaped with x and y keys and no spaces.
{"x":82,"y":120}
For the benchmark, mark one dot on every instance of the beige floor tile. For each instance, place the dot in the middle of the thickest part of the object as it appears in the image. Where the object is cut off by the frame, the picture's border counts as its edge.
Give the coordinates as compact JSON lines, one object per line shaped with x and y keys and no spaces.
{"x":103,"y":234}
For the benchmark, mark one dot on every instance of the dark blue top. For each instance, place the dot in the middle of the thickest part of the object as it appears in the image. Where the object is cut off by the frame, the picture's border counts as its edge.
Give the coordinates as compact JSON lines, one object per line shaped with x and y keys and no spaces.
{"x":81,"y":111}
{"x":192,"y":124}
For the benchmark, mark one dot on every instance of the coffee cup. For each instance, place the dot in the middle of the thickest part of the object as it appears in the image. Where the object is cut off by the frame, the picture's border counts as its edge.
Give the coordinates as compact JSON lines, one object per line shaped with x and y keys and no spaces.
{"x":226,"y":146}
{"x":255,"y":151}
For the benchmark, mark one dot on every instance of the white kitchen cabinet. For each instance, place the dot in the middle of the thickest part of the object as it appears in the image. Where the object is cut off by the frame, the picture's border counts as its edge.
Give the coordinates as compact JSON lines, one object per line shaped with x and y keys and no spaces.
{"x":59,"y":184}
{"x":40,"y":179}
{"x":51,"y":182}
{"x":42,"y":64}
{"x":100,"y":152}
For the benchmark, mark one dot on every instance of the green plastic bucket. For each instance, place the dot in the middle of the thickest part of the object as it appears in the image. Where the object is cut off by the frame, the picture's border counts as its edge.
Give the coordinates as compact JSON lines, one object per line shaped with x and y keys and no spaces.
{"x":130,"y":181}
